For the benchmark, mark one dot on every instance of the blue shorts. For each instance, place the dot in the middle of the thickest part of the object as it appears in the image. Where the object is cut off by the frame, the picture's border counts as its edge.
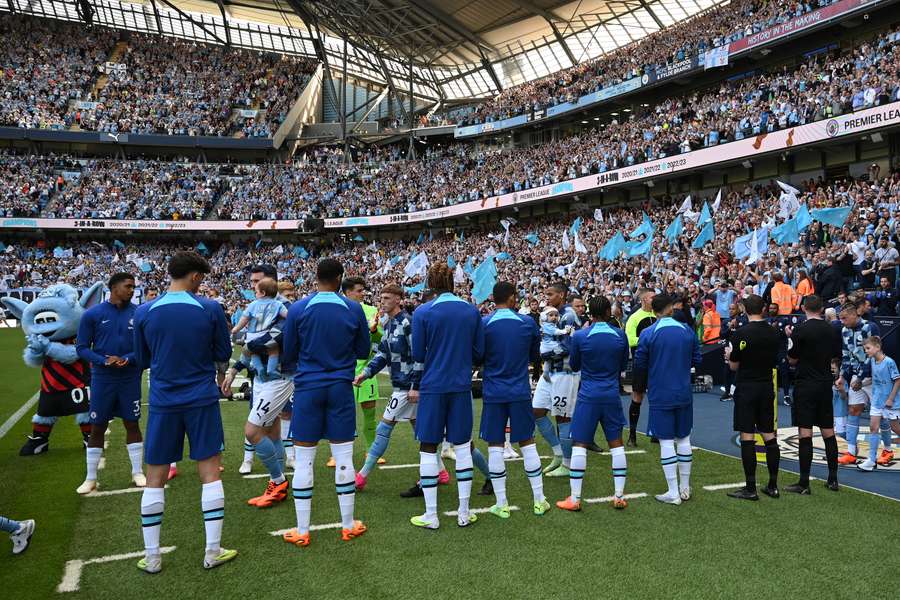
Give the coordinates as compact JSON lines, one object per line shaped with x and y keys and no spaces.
{"x":115,"y":398}
{"x":324,"y":413}
{"x":164,"y":438}
{"x":444,"y":415}
{"x":494,"y":416}
{"x":589,"y":414}
{"x":838,"y":404}
{"x":673,"y":422}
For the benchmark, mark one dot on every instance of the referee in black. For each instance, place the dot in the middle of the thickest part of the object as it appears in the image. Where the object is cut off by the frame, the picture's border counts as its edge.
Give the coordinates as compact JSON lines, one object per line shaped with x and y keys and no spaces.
{"x":815,"y":346}
{"x":753,"y":353}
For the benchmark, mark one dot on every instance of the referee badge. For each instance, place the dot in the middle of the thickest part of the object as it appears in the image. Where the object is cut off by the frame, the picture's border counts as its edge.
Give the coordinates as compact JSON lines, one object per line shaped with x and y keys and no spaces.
{"x":743,"y":345}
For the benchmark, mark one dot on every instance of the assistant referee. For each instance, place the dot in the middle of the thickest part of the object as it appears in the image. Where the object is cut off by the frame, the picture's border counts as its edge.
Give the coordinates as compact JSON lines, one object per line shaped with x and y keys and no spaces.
{"x":753,"y":353}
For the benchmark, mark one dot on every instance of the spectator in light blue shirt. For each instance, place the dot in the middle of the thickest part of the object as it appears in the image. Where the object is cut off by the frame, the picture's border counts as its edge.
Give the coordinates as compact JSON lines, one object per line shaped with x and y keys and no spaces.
{"x":724,"y":297}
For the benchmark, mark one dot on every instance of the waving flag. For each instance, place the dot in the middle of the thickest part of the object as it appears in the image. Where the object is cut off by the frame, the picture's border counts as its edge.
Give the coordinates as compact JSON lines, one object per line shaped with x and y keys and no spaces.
{"x":718,"y":201}
{"x":579,"y":247}
{"x":118,"y":244}
{"x":358,"y":238}
{"x":415,"y":289}
{"x":505,"y":223}
{"x":613,"y":247}
{"x":705,"y":236}
{"x":459,"y":276}
{"x":576,"y":225}
{"x":786,"y":233}
{"x":704,"y":213}
{"x":831,"y":216}
{"x":756,"y":241}
{"x":469,"y":268}
{"x":645,"y":228}
{"x":532,"y":239}
{"x":685,"y":206}
{"x":503,"y":256}
{"x":787,"y":188}
{"x":633,"y":249}
{"x":279,"y":249}
{"x":421,"y":238}
{"x":485,"y":277}
{"x":566,"y":244}
{"x":450,"y":262}
{"x":301,"y":252}
{"x":673,"y":231}
{"x":598,"y":214}
{"x":803,"y":217}
{"x":417,"y":265}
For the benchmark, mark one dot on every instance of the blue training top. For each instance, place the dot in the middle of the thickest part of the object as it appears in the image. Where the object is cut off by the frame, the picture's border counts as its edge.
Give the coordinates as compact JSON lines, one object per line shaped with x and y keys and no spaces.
{"x":180,"y":337}
{"x":600,"y":352}
{"x":325,"y":334}
{"x":107,"y":330}
{"x":511,"y":342}
{"x":447,"y":338}
{"x":665,"y":353}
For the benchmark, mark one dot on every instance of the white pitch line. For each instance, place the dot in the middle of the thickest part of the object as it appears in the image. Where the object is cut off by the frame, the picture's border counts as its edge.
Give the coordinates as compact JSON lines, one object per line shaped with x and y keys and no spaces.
{"x":262,"y":475}
{"x":416,"y":465}
{"x":71,"y":580}
{"x":476,"y":511}
{"x":723,"y":486}
{"x":281,"y":532}
{"x":611,"y":498}
{"x":131,"y":490}
{"x":14,"y":418}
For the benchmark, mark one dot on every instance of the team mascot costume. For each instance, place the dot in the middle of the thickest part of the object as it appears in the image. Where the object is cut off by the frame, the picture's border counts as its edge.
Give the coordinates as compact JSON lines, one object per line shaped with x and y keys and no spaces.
{"x":50,"y":324}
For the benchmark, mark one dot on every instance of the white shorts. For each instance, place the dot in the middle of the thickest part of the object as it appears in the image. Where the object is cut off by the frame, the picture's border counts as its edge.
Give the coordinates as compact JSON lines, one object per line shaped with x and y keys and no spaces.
{"x":399,"y":408}
{"x":860,"y":396}
{"x":558,"y":395}
{"x":269,"y":399}
{"x":892,"y":414}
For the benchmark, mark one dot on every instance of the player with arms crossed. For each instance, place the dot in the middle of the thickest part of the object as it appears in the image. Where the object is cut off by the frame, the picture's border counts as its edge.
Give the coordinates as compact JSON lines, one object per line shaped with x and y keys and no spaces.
{"x":106,"y":340}
{"x":511,"y":341}
{"x":600,"y":353}
{"x":448,"y":339}
{"x":557,"y":396}
{"x":325,"y":334}
{"x":665,"y":354}
{"x":179,"y":337}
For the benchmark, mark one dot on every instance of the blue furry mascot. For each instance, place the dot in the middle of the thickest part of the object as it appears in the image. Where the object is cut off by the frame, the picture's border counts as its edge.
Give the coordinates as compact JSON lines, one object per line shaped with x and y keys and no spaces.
{"x":50,"y":324}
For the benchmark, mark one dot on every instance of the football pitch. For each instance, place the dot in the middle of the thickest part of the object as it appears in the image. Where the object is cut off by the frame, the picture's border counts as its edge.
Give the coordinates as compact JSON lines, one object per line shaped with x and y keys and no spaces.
{"x":709,"y":547}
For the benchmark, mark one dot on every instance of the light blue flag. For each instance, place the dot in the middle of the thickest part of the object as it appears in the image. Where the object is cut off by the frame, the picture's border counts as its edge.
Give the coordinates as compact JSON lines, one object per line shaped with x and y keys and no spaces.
{"x":421,"y":238}
{"x":462,"y":236}
{"x":832,"y":216}
{"x":705,"y":236}
{"x":202,"y":249}
{"x":146,"y":267}
{"x":415,"y":289}
{"x":673,"y":231}
{"x":645,"y":228}
{"x":2,"y":247}
{"x":59,"y":252}
{"x":248,"y":295}
{"x":633,"y":249}
{"x":258,"y":243}
{"x":301,"y":252}
{"x":532,"y":239}
{"x":503,"y":256}
{"x":118,"y":244}
{"x":430,"y":235}
{"x":704,"y":213}
{"x":358,"y":238}
{"x":786,"y":233}
{"x":395,"y":260}
{"x":742,"y":245}
{"x":576,"y":225}
{"x":469,"y":268}
{"x":803,"y":217}
{"x":613,"y":247}
{"x":450,"y":262}
{"x":485,"y":277}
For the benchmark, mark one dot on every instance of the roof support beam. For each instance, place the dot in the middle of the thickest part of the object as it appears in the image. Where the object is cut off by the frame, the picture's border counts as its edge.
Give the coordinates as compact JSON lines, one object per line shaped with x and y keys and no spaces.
{"x":452,"y":24}
{"x":194,"y":22}
{"x":551,"y":20}
{"x":155,"y":15}
{"x":652,"y":14}
{"x":225,"y":23}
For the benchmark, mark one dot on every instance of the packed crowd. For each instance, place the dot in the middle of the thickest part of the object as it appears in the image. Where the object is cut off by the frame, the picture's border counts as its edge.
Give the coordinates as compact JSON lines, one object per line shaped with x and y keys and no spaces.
{"x":324,"y":185}
{"x":833,"y":260}
{"x":177,"y":87}
{"x":712,"y":28}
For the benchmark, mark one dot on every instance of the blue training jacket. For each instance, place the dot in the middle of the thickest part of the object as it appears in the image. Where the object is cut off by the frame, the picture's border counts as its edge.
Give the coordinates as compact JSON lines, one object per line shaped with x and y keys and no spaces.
{"x":107,"y":330}
{"x":600,"y":352}
{"x":665,"y":353}
{"x":511,"y":342}
{"x":448,"y":339}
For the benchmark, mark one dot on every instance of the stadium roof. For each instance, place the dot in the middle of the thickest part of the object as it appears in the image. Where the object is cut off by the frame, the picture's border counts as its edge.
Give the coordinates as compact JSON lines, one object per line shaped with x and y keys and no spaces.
{"x":459,"y":49}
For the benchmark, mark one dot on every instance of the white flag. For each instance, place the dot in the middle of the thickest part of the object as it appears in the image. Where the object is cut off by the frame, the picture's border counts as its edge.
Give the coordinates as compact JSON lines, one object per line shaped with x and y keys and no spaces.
{"x":279,"y":249}
{"x":489,"y":252}
{"x":718,"y":202}
{"x":754,"y":248}
{"x":459,"y":276}
{"x":785,"y":187}
{"x":788,"y":205}
{"x":692,"y":216}
{"x":505,"y":223}
{"x":579,"y":247}
{"x":418,"y":265}
{"x":566,"y":244}
{"x":598,"y":214}
{"x":685,"y":206}
{"x":562,"y":269}
{"x":717,"y":57}
{"x":115,"y":259}
{"x":79,"y":270}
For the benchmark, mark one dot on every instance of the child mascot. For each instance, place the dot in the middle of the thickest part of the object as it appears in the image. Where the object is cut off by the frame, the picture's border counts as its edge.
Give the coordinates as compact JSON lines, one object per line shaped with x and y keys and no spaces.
{"x":50,"y":324}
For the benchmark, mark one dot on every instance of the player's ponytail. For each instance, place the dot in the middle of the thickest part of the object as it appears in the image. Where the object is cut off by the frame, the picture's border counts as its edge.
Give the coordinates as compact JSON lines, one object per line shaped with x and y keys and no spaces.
{"x":440,"y":278}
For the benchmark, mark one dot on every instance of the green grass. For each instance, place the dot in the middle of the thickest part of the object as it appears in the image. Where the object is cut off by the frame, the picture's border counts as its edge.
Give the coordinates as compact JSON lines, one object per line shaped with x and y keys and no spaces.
{"x":710,"y":547}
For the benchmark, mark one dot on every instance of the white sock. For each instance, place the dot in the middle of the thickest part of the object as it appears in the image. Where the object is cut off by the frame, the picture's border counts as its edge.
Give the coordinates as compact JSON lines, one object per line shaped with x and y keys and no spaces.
{"x":344,"y":481}
{"x":557,"y":451}
{"x":669,"y":462}
{"x":428,"y":472}
{"x":153,"y":502}
{"x":303,"y":486}
{"x":576,"y":471}
{"x":533,"y":471}
{"x":464,"y":476}
{"x":685,"y":459}
{"x":286,"y":439}
{"x":93,"y":459}
{"x":619,"y":469}
{"x":249,"y":450}
{"x":498,"y":473}
{"x":212,"y":502}
{"x":136,"y":455}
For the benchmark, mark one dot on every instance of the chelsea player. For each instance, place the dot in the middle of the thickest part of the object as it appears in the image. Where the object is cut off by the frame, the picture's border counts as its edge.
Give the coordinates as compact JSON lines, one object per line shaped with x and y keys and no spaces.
{"x":180,"y":337}
{"x":106,"y":340}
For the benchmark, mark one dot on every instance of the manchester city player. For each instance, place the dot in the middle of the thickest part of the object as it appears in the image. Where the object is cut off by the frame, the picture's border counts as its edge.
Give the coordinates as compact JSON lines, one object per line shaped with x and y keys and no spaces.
{"x":180,"y":337}
{"x":511,"y":341}
{"x":106,"y":340}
